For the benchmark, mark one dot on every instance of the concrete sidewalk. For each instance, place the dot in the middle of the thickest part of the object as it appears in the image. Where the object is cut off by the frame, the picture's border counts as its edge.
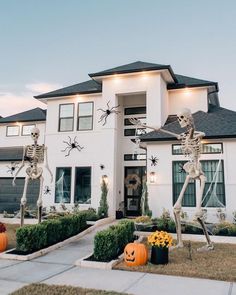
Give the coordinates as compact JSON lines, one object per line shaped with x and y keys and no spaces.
{"x":57,"y":267}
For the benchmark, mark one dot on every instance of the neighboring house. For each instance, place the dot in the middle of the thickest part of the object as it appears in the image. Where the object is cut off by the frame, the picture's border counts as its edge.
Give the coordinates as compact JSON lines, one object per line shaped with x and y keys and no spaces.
{"x":14,"y":134}
{"x":81,"y":149}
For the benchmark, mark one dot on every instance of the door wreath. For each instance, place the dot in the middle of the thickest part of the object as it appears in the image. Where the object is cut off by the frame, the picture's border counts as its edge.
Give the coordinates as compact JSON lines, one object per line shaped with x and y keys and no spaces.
{"x":132,"y":181}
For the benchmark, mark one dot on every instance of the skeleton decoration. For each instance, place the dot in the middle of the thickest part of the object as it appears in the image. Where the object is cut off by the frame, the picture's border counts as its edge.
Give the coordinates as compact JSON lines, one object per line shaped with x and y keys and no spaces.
{"x":72,"y":145}
{"x":153,"y":160}
{"x":35,"y":155}
{"x":107,"y":113}
{"x":12,"y":168}
{"x":47,"y":190}
{"x":181,"y":168}
{"x":191,"y":147}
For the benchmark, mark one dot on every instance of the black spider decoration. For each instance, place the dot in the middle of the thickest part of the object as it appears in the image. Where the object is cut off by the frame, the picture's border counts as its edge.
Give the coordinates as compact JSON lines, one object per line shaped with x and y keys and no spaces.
{"x":72,"y":145}
{"x":107,"y":112}
{"x":153,"y":160}
{"x":102,"y":166}
{"x":47,"y":190}
{"x":12,"y":168}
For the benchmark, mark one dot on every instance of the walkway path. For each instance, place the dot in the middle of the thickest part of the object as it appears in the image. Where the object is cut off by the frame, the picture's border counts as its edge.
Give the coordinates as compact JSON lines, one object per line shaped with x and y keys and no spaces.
{"x":58,"y":267}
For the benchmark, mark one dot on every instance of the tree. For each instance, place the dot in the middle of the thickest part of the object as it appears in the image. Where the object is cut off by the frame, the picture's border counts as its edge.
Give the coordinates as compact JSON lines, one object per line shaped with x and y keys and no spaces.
{"x":103,"y":205}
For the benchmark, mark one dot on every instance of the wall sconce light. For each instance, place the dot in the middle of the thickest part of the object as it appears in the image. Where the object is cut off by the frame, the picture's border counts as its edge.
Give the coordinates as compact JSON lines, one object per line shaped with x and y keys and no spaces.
{"x":105,"y":179}
{"x":152,"y":177}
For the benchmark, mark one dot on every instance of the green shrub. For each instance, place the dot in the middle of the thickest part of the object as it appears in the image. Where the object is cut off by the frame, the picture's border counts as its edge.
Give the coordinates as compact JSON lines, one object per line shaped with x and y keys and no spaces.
{"x":109,"y":243}
{"x":91,"y":214}
{"x":35,"y":237}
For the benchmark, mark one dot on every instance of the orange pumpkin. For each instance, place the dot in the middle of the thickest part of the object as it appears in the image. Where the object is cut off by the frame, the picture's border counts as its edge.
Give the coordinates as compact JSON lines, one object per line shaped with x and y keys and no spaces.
{"x":3,"y":242}
{"x":135,"y":254}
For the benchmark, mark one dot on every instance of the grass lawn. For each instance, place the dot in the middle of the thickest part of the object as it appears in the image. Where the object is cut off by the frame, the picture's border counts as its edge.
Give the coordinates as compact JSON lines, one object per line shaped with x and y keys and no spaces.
{"x":43,"y":289}
{"x":219,"y":264}
{"x":11,"y":233}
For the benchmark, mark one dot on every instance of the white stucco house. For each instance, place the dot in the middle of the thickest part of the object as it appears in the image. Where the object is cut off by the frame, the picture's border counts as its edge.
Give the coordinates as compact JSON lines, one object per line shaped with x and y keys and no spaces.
{"x":83,"y":146}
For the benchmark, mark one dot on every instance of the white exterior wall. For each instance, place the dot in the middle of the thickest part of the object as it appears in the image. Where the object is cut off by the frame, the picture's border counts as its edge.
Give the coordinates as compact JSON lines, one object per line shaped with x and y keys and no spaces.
{"x":160,"y":192}
{"x":194,"y":99}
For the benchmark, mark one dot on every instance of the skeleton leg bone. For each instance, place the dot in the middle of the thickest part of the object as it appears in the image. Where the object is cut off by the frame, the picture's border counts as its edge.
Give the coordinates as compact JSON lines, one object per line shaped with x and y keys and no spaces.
{"x":199,"y":217}
{"x":23,"y":201}
{"x":40,"y":201}
{"x":177,"y":212}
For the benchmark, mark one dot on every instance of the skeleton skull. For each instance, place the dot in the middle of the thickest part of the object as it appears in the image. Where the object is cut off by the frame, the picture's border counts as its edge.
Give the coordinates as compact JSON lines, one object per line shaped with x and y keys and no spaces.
{"x":185,"y":118}
{"x":35,"y":133}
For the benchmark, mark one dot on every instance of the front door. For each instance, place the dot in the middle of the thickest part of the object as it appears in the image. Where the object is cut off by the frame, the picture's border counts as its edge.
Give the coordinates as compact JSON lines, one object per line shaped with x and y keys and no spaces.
{"x":133,"y":190}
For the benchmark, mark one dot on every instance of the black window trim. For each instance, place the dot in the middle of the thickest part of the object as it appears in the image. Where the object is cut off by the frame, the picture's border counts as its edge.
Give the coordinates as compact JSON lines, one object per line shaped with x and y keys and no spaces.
{"x":137,"y":107}
{"x":204,"y":153}
{"x":23,"y":128}
{"x":92,"y":102}
{"x":59,"y":117}
{"x":70,"y":184}
{"x":13,"y":126}
{"x":90,"y":184}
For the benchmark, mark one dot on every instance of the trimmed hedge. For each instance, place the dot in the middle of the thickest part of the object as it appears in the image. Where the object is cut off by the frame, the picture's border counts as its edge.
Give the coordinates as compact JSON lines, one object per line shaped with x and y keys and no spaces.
{"x":110,"y":243}
{"x":32,"y":238}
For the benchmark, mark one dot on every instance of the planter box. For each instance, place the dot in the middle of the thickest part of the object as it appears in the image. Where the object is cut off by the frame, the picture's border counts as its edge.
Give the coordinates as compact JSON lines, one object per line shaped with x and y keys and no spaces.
{"x":7,"y":255}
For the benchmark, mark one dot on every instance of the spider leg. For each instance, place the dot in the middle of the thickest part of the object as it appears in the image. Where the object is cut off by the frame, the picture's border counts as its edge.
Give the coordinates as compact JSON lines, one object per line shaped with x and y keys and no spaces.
{"x":114,"y":107}
{"x":101,"y":110}
{"x":70,"y":140}
{"x":108,"y":105}
{"x":105,"y":121}
{"x":102,"y":117}
{"x":68,"y":152}
{"x":66,"y":142}
{"x":68,"y":147}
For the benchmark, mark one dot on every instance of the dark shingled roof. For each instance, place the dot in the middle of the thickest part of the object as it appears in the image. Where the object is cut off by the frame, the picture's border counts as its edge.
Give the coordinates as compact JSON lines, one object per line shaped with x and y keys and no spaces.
{"x":11,"y":153}
{"x":90,"y":86}
{"x":184,"y":81}
{"x":36,"y":114}
{"x":133,"y":67}
{"x":217,"y":123}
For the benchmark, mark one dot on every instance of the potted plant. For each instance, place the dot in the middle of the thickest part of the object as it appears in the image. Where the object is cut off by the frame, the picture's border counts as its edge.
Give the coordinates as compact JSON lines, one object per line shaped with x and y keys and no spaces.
{"x":160,"y":242}
{"x":3,"y":238}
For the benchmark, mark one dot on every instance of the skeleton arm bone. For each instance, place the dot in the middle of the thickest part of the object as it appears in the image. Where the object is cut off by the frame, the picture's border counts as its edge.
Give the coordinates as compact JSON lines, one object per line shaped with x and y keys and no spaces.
{"x":139,"y":124}
{"x":21,"y":166}
{"x":46,"y":164}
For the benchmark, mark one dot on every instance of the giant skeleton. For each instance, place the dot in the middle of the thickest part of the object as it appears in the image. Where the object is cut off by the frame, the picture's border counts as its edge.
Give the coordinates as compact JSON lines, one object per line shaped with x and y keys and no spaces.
{"x":191,"y":147}
{"x":34,"y":154}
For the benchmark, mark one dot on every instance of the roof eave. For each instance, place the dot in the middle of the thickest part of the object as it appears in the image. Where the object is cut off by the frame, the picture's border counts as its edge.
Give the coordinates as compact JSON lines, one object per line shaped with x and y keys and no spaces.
{"x":174,"y":139}
{"x":42,"y":96}
{"x":180,"y":86}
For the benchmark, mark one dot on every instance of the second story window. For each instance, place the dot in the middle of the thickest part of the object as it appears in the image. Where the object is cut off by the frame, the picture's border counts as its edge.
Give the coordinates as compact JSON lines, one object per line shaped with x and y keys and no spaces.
{"x":13,"y":130}
{"x":66,"y":117}
{"x":26,"y":129}
{"x":85,"y":116}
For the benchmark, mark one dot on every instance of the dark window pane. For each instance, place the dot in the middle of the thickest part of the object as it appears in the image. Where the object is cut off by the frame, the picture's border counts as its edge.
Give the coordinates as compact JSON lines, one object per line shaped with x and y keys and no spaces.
{"x":83,"y":185}
{"x":179,"y":176}
{"x":66,"y":124}
{"x":134,"y":132}
{"x":135,"y":111}
{"x":63,"y":185}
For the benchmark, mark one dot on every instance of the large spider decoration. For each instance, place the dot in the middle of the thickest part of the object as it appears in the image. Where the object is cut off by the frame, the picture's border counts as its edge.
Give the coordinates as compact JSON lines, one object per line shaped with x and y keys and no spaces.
{"x":72,"y":145}
{"x":47,"y":190}
{"x":153,"y":160}
{"x":102,"y":166}
{"x":108,"y":112}
{"x":12,"y":168}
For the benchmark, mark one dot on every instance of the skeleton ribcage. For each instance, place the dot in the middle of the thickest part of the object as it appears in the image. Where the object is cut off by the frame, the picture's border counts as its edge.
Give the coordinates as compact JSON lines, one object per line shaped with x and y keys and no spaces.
{"x":35,"y":153}
{"x":191,"y":147}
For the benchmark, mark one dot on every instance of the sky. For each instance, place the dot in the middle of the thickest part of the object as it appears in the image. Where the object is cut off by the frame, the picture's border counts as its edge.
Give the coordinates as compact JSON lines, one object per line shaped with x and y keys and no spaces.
{"x":48,"y":44}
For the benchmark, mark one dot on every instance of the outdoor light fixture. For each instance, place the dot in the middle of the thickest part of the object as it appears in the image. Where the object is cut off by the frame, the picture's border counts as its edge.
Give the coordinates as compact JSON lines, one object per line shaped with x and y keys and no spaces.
{"x":105,"y":179}
{"x":152,"y":177}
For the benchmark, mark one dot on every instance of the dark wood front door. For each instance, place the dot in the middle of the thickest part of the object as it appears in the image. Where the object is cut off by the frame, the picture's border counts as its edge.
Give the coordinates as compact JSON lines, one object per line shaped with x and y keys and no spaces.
{"x":133,"y":190}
